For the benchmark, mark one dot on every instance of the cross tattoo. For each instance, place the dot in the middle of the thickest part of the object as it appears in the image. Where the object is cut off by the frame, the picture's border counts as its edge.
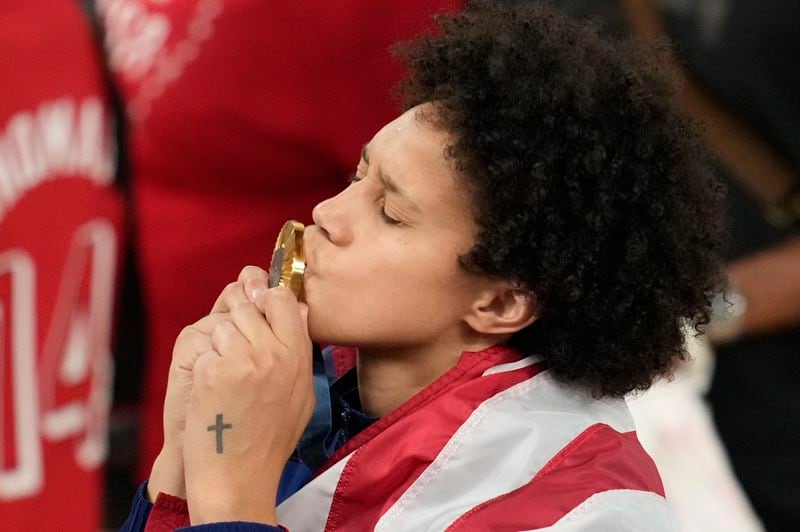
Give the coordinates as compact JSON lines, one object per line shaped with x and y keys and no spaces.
{"x":218,"y":427}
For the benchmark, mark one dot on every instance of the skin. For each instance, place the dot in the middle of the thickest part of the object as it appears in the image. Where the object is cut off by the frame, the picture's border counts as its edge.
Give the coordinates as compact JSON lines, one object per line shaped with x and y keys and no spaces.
{"x":382,"y":274}
{"x":770,"y":281}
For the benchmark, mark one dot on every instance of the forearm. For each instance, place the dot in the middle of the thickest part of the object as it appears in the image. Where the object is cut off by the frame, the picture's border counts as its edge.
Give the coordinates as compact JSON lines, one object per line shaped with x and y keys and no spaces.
{"x":263,"y":515}
{"x":770,"y":282}
{"x":233,"y":494}
{"x":167,"y":475}
{"x":169,"y":513}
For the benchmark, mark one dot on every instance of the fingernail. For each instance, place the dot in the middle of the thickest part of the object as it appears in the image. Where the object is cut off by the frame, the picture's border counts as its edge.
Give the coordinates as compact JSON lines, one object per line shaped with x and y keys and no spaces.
{"x":257,"y":291}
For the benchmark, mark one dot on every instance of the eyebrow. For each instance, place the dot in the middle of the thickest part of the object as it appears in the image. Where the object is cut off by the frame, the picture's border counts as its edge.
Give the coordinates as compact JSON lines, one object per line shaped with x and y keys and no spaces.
{"x":390,"y":184}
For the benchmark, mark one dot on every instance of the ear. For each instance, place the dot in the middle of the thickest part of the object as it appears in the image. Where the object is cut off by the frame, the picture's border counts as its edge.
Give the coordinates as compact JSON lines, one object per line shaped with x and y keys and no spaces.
{"x":502,"y":309}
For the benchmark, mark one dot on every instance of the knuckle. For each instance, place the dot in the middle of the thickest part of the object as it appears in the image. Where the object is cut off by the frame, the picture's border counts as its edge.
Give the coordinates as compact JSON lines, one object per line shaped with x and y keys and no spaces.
{"x":267,"y":364}
{"x":221,"y":330}
{"x":231,"y":288}
{"x":242,"y":306}
{"x":185,"y":332}
{"x":217,"y":318}
{"x":245,"y":370}
{"x":206,"y":373}
{"x":250,"y":271}
{"x":280,"y":295}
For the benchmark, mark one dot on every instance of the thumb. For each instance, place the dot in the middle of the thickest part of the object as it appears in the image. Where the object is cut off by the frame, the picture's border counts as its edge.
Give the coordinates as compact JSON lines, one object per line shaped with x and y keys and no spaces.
{"x":304,"y":319}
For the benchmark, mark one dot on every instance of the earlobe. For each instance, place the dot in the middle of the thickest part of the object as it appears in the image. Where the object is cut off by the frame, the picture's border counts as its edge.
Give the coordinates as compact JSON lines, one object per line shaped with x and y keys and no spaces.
{"x":504,"y":311}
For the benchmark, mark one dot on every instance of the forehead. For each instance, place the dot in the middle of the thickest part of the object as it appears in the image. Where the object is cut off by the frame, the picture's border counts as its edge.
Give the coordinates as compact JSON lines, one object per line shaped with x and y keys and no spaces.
{"x":412,"y":136}
{"x":411,"y":151}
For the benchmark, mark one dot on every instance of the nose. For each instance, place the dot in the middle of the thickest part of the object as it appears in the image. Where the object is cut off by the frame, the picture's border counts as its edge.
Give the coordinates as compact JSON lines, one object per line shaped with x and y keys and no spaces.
{"x":331,"y":215}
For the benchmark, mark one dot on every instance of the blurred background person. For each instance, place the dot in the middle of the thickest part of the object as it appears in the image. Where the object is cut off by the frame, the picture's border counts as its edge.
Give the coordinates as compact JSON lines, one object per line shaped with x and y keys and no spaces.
{"x":61,"y":220}
{"x":743,"y":65}
{"x":739,"y":61}
{"x":241,"y":115}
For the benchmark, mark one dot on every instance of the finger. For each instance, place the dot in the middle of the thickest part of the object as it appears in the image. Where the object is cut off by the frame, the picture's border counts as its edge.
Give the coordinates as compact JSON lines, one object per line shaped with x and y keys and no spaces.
{"x":305,"y":363}
{"x":254,"y":280}
{"x":197,"y":337}
{"x":198,"y":343}
{"x":231,"y":294}
{"x":304,"y":319}
{"x":205,"y":325}
{"x":282,"y":311}
{"x":205,"y":368}
{"x":229,"y":342}
{"x":252,"y":323}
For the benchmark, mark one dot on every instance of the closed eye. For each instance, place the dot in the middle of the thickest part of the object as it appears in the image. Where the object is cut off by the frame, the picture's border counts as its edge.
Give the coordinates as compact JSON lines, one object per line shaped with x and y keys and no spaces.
{"x":355,"y":178}
{"x":388,"y":219}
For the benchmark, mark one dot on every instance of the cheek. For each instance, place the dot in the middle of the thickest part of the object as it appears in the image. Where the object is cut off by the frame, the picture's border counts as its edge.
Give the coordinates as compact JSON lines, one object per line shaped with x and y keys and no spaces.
{"x":385,"y":290}
{"x":413,"y":285}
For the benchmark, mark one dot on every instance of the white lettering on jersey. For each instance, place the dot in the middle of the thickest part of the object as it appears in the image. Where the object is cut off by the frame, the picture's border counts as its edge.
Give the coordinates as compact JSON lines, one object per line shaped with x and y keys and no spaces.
{"x":150,"y":48}
{"x":76,"y":352}
{"x":77,"y":344}
{"x":62,"y":137}
{"x":140,"y":34}
{"x":18,"y":318}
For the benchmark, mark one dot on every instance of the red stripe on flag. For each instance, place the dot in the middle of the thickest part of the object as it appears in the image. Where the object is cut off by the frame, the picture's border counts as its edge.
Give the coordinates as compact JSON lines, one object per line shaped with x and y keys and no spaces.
{"x":408,"y":439}
{"x":599,"y":459}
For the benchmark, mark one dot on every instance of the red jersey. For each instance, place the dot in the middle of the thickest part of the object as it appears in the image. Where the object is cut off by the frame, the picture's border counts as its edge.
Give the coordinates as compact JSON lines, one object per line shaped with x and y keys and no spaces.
{"x":60,"y":221}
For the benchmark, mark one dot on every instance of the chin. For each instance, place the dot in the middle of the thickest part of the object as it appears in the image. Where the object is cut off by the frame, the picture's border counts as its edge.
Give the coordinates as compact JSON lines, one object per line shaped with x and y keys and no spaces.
{"x":326,"y":335}
{"x":337,"y":325}
{"x":321,"y":333}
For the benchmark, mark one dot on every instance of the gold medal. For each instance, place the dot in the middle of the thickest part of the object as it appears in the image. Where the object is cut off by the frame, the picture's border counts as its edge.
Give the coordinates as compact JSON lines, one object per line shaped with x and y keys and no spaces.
{"x":288,"y":260}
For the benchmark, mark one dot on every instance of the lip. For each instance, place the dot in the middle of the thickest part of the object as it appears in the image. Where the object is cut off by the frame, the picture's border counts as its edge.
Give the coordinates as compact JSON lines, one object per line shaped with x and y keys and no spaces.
{"x":308,"y":250}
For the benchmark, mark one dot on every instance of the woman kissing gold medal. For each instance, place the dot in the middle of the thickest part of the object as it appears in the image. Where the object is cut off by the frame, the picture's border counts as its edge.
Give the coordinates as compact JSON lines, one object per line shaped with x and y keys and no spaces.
{"x":288,"y":260}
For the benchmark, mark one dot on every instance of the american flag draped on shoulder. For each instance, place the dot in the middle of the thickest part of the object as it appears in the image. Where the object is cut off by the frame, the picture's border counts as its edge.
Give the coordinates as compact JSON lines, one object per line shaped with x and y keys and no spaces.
{"x":494,"y":444}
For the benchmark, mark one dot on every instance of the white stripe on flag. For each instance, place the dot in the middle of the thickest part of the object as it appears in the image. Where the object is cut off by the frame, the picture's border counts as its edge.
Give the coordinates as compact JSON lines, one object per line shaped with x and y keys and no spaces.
{"x":618,"y":511}
{"x":511,"y":366}
{"x":499,"y":448}
{"x":308,"y":508}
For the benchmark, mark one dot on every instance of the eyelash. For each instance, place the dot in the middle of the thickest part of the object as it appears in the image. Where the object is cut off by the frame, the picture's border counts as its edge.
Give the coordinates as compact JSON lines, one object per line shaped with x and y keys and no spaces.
{"x":388,"y":219}
{"x":381,"y":212}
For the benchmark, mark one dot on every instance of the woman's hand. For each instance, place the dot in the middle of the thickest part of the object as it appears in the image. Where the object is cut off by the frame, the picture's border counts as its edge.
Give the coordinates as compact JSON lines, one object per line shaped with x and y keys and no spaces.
{"x":167,"y":474}
{"x":251,"y":399}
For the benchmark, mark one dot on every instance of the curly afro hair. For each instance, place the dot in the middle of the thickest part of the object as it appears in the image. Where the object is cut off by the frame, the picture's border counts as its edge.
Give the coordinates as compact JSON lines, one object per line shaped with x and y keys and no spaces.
{"x":589,"y":188}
